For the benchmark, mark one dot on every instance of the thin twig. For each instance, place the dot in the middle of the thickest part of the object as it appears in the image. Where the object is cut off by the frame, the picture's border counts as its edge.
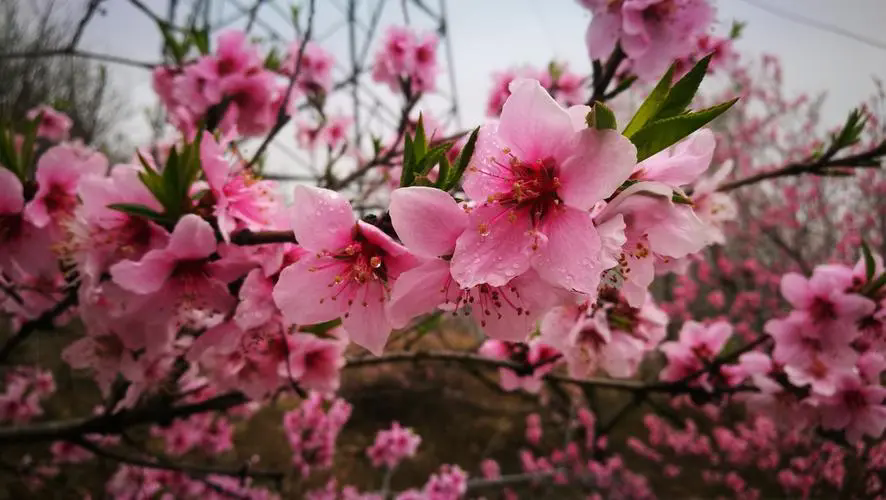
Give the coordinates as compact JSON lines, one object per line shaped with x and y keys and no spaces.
{"x":602,"y":80}
{"x":43,"y":322}
{"x":114,"y":423}
{"x":82,"y":54}
{"x":282,"y":116}
{"x":189,"y":469}
{"x":867,"y":159}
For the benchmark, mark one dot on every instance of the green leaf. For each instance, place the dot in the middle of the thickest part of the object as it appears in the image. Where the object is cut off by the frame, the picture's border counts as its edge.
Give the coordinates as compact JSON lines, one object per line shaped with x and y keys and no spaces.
{"x":200,"y":38}
{"x":272,"y":60}
{"x":681,"y":199}
{"x":461,"y":163}
{"x":8,"y":156}
{"x":419,"y":141}
{"x":140,"y":211}
{"x":870,"y":265}
{"x":170,"y":44}
{"x":320,"y":329}
{"x":432,"y":158}
{"x":651,"y":105}
{"x":601,"y":117}
{"x":737,"y":29}
{"x":662,"y":134}
{"x":407,"y":174}
{"x":874,"y":286}
{"x":443,"y":172}
{"x":681,"y":94}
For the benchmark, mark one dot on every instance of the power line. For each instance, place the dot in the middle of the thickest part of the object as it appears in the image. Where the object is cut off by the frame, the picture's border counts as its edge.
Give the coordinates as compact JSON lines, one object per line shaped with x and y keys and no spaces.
{"x":808,"y":21}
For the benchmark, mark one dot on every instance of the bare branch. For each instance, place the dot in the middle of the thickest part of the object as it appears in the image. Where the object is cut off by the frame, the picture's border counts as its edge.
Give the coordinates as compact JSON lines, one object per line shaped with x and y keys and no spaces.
{"x":282,"y":116}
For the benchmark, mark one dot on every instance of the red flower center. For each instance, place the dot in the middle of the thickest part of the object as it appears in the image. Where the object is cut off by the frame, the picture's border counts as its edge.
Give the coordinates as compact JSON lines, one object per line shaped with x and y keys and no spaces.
{"x":11,"y":227}
{"x":533,"y":188}
{"x":854,"y":400}
{"x":822,"y":310}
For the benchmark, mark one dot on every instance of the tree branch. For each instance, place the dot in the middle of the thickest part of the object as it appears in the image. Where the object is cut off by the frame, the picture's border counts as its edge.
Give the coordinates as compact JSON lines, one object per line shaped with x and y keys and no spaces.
{"x":282,"y":115}
{"x":43,"y":322}
{"x":82,"y":54}
{"x":189,"y":469}
{"x":867,"y":159}
{"x":116,"y":422}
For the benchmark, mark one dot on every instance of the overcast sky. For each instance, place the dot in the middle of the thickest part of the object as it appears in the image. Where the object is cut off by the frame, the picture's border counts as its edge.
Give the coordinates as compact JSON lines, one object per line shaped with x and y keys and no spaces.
{"x":489,"y":35}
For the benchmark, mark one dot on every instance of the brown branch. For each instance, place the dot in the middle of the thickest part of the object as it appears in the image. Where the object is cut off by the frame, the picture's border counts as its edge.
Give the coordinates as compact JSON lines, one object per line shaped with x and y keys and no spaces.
{"x":117,"y":422}
{"x":867,"y":159}
{"x":189,"y":469}
{"x":43,"y":322}
{"x":604,"y":77}
{"x":247,"y":237}
{"x":91,"y":9}
{"x":282,"y":116}
{"x":82,"y":54}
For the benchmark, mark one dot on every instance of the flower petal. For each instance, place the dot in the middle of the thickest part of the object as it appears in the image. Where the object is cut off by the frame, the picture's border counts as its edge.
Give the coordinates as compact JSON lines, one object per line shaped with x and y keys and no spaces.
{"x":419,"y":291}
{"x":571,"y":257}
{"x":322,"y":219}
{"x":145,"y":276}
{"x":192,"y":238}
{"x":427,"y":220}
{"x":603,"y":160}
{"x":11,"y":197}
{"x":366,"y":321}
{"x":304,"y":293}
{"x":532,"y":124}
{"x":494,"y":249}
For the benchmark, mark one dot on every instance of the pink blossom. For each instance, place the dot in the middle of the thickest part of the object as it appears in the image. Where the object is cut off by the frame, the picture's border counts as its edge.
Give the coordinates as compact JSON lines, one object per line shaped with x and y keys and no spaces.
{"x":406,"y":57}
{"x":315,"y":70}
{"x":317,"y":362}
{"x":101,"y":235}
{"x":652,"y":32}
{"x":179,"y":276}
{"x":392,"y":446}
{"x":239,"y":200}
{"x":697,"y":345}
{"x":54,"y":125}
{"x":538,"y":357}
{"x":59,"y":171}
{"x":312,"y":431}
{"x":610,"y":335}
{"x":824,"y":300}
{"x":535,"y":176}
{"x":856,"y":408}
{"x":23,"y":246}
{"x":350,"y":273}
{"x":429,"y":222}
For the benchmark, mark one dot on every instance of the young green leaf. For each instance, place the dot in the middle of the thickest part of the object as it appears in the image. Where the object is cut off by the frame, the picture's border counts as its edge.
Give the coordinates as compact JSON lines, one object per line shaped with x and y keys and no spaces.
{"x":201,"y":40}
{"x":433,"y":157}
{"x":681,"y":94}
{"x":443,"y":172}
{"x":419,"y":141}
{"x":870,"y":265}
{"x":140,"y":211}
{"x":407,"y":174}
{"x":651,"y":105}
{"x":601,"y":117}
{"x":461,"y":163}
{"x":662,"y":134}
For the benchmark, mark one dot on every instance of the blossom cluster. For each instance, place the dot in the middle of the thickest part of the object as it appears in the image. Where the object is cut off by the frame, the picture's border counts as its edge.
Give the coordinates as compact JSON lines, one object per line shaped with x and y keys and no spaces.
{"x":24,"y":388}
{"x":651,"y":33}
{"x":407,"y":61}
{"x":391,"y":446}
{"x":312,"y":429}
